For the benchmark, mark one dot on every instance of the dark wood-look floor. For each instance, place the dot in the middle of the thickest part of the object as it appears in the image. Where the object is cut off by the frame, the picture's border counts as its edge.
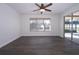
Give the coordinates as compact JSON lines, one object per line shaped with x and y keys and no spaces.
{"x":40,"y":45}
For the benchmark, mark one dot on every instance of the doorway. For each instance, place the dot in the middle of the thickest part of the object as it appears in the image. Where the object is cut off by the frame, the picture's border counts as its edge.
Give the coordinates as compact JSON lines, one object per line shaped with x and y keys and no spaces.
{"x":71,"y":27}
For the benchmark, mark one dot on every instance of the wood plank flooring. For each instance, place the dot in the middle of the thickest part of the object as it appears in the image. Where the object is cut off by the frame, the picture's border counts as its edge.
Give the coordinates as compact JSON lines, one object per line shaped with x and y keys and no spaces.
{"x":40,"y":45}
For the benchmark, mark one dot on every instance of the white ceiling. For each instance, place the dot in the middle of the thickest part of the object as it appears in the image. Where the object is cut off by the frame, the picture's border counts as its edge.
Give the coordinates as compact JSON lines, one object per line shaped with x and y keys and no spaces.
{"x":27,"y":8}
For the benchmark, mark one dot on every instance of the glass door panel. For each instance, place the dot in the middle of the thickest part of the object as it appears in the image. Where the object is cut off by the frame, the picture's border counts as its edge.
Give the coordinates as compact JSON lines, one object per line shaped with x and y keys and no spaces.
{"x":76,"y":29}
{"x":68,"y":27}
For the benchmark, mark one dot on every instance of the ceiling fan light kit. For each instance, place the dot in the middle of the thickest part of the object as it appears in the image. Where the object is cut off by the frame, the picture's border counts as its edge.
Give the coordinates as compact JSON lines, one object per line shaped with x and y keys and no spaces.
{"x":43,"y":7}
{"x":42,"y":10}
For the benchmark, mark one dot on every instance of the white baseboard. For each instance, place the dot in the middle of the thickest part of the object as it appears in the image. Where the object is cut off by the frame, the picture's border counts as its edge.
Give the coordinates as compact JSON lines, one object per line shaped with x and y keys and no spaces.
{"x":7,"y":42}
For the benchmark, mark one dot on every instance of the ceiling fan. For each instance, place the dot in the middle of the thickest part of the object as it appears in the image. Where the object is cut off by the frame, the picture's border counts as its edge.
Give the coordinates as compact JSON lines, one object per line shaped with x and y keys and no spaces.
{"x":43,"y":7}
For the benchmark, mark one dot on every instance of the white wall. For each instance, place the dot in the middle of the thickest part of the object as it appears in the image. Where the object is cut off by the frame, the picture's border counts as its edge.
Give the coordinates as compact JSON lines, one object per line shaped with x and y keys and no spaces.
{"x":26,"y":26}
{"x":9,"y":25}
{"x":61,"y":25}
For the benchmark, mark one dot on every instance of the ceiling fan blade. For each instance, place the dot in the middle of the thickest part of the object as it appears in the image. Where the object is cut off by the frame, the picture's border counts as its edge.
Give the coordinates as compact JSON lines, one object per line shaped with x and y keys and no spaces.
{"x":48,"y":5}
{"x":36,"y":10}
{"x":37,"y":5}
{"x":48,"y":10}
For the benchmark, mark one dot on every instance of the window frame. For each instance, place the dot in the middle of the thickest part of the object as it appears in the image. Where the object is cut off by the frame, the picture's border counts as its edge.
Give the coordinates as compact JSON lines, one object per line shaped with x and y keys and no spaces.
{"x":43,"y":24}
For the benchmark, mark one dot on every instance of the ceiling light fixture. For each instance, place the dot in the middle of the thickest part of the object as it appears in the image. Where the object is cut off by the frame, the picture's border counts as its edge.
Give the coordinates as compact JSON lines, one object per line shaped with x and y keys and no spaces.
{"x":42,"y":10}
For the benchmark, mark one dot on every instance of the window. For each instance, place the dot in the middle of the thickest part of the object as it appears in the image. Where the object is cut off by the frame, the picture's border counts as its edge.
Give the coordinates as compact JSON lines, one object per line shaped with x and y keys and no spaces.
{"x":40,"y":24}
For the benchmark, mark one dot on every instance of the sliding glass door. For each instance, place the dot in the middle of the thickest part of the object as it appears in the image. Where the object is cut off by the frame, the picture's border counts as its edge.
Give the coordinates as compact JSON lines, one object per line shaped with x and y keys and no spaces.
{"x":76,"y":29}
{"x":71,"y":27}
{"x":68,"y":27}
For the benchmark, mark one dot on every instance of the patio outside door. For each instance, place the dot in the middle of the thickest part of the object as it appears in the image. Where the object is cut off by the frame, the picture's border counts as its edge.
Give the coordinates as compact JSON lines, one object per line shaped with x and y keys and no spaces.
{"x":68,"y":27}
{"x":71,"y":27}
